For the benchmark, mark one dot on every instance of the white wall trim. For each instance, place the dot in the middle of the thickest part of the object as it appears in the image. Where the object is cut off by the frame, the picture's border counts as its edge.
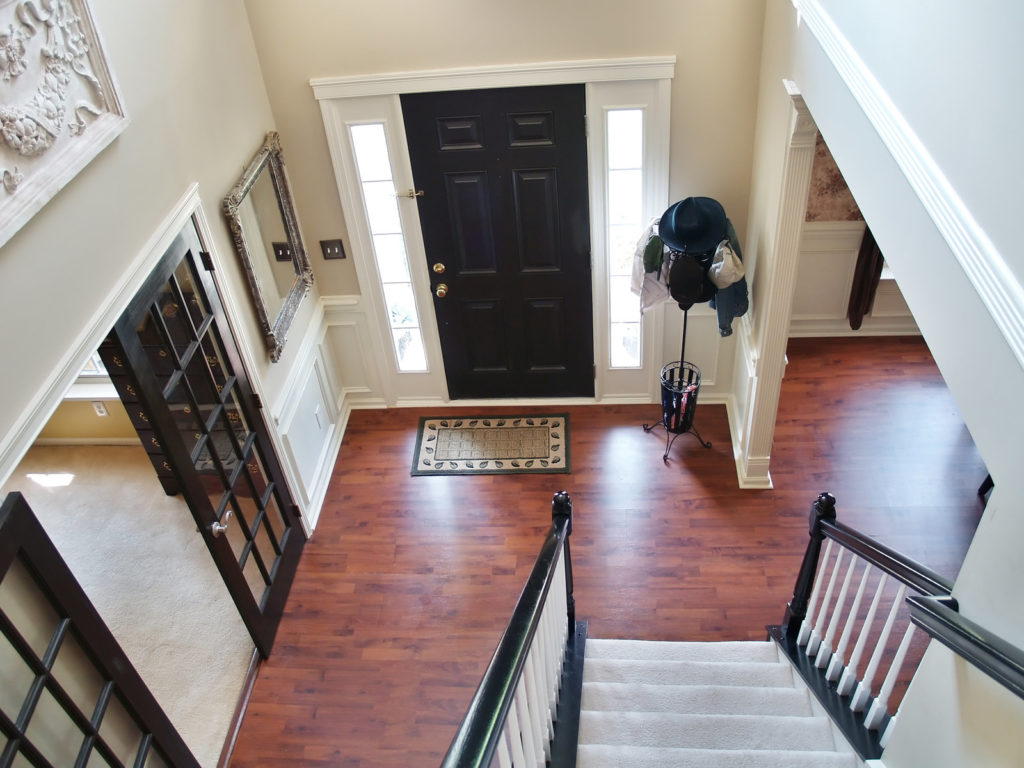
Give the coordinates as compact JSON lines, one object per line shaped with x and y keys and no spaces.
{"x":808,"y":327}
{"x":496,"y":76}
{"x":997,"y":286}
{"x":32,"y":420}
{"x":86,"y":441}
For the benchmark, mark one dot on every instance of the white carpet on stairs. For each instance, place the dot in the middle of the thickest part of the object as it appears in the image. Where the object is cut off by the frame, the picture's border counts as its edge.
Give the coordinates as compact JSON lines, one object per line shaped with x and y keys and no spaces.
{"x":699,"y":704}
{"x":602,"y":756}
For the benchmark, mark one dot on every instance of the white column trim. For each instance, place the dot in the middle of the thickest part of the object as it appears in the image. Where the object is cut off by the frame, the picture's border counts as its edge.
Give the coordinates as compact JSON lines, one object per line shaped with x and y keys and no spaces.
{"x":997,"y":286}
{"x":777,"y":307}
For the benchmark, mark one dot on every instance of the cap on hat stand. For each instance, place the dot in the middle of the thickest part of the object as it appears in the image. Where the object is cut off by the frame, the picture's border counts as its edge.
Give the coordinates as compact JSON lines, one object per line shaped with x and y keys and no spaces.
{"x":680,"y":383}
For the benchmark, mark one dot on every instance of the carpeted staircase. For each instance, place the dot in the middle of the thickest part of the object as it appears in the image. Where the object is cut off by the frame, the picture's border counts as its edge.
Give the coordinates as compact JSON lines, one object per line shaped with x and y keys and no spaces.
{"x":706,"y":705}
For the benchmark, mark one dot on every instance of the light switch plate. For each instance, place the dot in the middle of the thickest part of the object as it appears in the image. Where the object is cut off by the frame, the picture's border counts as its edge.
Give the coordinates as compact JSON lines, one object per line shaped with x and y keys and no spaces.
{"x":333,"y":249}
{"x":282,"y":251}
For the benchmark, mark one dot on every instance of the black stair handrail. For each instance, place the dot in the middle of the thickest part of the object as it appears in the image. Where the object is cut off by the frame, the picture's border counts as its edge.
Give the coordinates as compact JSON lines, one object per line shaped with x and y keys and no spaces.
{"x":477,"y":739}
{"x":997,"y":658}
{"x":823,"y":525}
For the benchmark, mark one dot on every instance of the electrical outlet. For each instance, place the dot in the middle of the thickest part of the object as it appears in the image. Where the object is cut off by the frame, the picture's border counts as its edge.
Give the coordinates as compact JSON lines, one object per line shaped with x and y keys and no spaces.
{"x":333,"y":249}
{"x":100,"y":407}
{"x":282,"y":251}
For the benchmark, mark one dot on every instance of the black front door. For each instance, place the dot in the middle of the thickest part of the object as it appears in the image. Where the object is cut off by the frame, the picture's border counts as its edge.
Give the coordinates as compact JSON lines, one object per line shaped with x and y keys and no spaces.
{"x":506,"y":225}
{"x":175,"y":364}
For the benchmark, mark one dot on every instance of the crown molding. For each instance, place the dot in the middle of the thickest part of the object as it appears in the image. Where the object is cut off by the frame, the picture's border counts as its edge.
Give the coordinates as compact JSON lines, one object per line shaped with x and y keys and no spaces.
{"x":496,"y":76}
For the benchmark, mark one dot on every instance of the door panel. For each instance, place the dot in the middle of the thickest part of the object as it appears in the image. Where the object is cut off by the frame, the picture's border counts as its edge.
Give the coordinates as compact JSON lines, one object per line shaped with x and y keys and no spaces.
{"x":505,"y":210}
{"x":173,"y":352}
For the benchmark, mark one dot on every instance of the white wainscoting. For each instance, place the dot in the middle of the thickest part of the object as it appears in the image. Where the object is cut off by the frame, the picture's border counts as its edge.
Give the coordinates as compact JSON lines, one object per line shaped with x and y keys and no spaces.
{"x":828,"y":257}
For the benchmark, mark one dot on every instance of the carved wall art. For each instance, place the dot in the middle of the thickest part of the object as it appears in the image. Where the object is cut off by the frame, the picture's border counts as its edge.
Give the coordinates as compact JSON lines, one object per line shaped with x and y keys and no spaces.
{"x":59,"y":105}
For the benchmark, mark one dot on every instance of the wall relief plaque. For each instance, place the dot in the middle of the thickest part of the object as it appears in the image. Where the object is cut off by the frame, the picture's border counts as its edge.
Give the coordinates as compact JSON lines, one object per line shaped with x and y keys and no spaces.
{"x":59,"y":105}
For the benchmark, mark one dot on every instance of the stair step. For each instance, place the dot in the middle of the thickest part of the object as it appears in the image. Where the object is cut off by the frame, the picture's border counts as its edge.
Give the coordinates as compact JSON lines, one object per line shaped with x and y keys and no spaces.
{"x":742,"y":650}
{"x":717,"y":732}
{"x":653,"y":672}
{"x":604,"y":756}
{"x":693,"y":699}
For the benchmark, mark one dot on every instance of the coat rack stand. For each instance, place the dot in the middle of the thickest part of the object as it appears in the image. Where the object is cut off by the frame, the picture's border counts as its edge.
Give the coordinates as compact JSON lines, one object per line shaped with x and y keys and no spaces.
{"x":680,"y":383}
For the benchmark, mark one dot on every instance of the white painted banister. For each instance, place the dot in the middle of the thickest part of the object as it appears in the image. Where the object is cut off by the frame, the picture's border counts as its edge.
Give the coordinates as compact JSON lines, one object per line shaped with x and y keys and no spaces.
{"x":835,"y":665}
{"x":808,"y":622}
{"x":815,"y":640}
{"x":825,"y":651}
{"x":849,"y":677}
{"x":862,"y":692}
{"x":878,"y":709}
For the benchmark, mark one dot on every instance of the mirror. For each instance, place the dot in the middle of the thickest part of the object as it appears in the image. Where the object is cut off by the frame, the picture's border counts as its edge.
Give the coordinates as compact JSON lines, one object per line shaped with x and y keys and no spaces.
{"x":265,"y":229}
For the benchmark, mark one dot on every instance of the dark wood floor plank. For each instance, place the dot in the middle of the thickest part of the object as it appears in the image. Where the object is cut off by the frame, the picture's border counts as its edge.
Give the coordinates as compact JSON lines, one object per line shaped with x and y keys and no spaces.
{"x":405,"y":588}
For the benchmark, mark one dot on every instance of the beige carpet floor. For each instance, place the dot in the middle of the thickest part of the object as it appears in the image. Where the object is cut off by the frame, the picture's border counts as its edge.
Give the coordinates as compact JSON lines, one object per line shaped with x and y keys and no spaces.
{"x":138,"y":556}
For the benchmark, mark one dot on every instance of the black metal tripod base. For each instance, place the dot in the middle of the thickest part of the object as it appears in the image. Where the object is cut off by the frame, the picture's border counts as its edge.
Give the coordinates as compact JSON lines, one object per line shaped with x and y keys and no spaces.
{"x":670,"y":437}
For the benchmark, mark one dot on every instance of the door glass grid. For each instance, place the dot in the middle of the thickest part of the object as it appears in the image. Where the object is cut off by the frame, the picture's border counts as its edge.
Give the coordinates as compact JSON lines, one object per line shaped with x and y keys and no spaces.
{"x":625,"y":175}
{"x":376,"y":181}
{"x":56,"y":704}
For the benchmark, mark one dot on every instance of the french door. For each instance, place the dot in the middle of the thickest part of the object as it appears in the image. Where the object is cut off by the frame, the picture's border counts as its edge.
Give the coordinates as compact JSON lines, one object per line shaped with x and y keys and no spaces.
{"x":176,"y":366}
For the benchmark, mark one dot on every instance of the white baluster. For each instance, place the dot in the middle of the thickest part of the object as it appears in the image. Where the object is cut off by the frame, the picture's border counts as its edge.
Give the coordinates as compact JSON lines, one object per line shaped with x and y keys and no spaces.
{"x":849,"y":678}
{"x":526,"y":726}
{"x":884,"y":741}
{"x":835,"y":666}
{"x":878,"y":709}
{"x":538,"y":713}
{"x":515,"y":734}
{"x":504,"y":761}
{"x":863,"y":691}
{"x":825,"y":651}
{"x":808,"y":622}
{"x":819,"y":625}
{"x":542,"y":645}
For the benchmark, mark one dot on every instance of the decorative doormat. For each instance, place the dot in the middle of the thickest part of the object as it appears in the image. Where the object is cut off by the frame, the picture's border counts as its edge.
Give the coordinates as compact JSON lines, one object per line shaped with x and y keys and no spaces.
{"x":492,"y":445}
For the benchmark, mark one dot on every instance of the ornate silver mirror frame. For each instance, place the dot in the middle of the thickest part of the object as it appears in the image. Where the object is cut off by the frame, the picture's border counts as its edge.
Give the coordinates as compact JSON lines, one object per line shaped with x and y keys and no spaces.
{"x":265,"y":229}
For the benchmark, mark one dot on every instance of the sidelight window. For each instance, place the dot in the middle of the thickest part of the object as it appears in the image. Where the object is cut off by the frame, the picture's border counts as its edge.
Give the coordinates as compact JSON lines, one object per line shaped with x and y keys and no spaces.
{"x":377,"y":185}
{"x":625,"y":169}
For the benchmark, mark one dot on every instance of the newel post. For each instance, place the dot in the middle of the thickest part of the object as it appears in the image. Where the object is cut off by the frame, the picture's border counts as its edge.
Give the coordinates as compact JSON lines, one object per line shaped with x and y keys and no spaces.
{"x":823,"y":508}
{"x":561,"y":506}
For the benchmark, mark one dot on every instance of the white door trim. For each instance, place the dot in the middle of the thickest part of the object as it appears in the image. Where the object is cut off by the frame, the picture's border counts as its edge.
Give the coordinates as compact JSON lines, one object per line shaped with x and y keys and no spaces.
{"x":379,"y":94}
{"x":496,"y":76}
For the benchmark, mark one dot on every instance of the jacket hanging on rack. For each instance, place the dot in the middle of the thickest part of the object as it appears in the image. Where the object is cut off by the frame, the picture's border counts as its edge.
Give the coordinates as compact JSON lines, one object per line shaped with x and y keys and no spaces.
{"x":732,"y":301}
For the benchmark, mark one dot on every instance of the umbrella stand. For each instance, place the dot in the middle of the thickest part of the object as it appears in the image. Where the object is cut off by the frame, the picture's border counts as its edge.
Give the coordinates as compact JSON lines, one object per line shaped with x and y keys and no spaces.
{"x":680,"y":383}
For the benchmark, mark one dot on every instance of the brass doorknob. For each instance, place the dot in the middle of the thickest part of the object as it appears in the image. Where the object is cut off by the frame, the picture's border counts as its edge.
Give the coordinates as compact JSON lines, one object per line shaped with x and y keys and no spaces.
{"x":441,"y":290}
{"x":438,"y":268}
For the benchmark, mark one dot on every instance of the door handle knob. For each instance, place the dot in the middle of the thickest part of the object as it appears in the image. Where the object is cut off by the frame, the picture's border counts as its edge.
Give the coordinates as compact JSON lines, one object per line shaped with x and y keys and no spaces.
{"x":439,"y":268}
{"x":217,"y":527}
{"x":441,"y":291}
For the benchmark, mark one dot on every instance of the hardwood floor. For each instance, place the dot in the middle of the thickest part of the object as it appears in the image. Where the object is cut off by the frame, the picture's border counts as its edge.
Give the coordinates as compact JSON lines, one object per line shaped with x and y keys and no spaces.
{"x":406,"y":586}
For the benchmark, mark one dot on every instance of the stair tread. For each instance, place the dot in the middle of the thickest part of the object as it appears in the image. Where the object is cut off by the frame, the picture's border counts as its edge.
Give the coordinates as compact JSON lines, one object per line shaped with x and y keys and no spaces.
{"x":761,"y":674}
{"x":735,"y":732}
{"x":691,"y":699}
{"x":606,"y":756}
{"x":737,"y":650}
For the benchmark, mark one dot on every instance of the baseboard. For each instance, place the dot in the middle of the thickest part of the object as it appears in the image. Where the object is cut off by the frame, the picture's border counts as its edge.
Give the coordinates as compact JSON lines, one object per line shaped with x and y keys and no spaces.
{"x":87,"y":441}
{"x":815,"y":327}
{"x":243,"y":703}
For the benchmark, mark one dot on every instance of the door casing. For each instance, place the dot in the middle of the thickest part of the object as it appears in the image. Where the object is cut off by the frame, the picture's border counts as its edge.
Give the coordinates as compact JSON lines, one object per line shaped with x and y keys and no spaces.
{"x":347,"y":101}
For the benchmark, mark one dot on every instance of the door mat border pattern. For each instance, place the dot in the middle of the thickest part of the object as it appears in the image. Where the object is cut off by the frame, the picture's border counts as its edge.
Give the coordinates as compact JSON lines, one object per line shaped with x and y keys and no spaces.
{"x":550,"y":456}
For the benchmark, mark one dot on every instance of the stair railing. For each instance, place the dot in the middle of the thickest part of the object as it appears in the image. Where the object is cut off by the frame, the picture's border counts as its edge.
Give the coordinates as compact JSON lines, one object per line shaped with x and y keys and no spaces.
{"x":524,"y":692}
{"x":829,"y":626}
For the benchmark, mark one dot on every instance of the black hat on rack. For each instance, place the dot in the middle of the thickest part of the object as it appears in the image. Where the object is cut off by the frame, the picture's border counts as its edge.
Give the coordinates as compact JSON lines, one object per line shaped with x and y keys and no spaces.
{"x":693,"y":225}
{"x":688,"y":282}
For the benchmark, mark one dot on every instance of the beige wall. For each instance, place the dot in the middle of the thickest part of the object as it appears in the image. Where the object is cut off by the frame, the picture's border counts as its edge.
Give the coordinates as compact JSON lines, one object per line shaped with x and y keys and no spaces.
{"x":75,"y":420}
{"x":717,"y":44}
{"x":191,"y":85}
